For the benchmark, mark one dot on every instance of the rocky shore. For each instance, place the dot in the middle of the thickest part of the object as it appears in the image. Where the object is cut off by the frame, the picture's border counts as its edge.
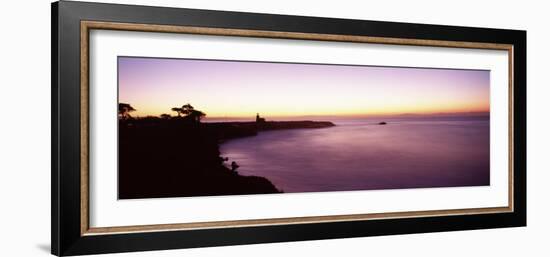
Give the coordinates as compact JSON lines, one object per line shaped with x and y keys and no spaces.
{"x":172,"y":158}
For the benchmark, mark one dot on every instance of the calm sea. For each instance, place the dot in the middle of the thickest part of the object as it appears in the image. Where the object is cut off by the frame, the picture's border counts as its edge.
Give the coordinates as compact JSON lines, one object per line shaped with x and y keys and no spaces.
{"x":359,"y":154}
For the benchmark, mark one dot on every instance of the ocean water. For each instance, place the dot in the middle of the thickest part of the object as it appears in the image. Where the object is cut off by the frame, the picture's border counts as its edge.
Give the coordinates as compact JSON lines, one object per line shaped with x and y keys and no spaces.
{"x":359,"y":154}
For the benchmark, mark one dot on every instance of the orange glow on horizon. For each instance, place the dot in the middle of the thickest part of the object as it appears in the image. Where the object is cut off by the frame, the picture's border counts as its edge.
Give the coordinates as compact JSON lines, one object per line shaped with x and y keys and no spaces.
{"x":150,"y":110}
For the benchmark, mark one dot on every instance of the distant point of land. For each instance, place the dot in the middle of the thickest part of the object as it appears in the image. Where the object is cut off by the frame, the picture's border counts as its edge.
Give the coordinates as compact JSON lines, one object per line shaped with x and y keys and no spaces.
{"x":176,"y":156}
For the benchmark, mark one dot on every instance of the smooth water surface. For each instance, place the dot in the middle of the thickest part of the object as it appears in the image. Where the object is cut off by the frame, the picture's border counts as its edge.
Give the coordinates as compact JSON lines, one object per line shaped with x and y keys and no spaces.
{"x":359,"y":154}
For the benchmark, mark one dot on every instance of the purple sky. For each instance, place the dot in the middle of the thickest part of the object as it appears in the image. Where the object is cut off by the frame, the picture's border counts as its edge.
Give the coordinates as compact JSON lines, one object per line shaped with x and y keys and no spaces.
{"x":241,"y":89}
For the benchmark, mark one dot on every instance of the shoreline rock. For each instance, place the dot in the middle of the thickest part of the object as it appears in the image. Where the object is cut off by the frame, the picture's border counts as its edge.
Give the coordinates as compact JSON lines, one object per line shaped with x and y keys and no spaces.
{"x":173,"y":158}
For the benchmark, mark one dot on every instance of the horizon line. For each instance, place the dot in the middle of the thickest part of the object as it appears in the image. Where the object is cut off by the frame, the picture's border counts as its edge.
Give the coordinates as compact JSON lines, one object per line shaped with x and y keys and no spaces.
{"x":358,"y":115}
{"x":468,"y":113}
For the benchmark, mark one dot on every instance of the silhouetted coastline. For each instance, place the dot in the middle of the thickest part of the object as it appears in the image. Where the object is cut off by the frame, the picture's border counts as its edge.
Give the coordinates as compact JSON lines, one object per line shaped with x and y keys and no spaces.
{"x":229,"y":130}
{"x":175,"y":157}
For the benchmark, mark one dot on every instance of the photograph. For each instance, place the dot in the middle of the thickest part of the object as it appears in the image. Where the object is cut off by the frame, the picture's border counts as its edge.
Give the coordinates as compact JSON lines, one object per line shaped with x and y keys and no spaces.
{"x":174,"y":126}
{"x":202,"y":127}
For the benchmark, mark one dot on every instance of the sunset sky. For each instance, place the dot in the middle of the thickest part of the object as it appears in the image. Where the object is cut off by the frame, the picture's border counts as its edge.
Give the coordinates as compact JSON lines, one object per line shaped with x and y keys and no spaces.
{"x":225,"y":89}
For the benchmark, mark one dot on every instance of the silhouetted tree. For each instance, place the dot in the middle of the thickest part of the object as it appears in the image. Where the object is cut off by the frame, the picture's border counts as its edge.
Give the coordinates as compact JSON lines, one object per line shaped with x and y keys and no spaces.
{"x":196,"y":116}
{"x":190,"y":113}
{"x":124,"y":110}
{"x":178,"y":110}
{"x":187,"y":109}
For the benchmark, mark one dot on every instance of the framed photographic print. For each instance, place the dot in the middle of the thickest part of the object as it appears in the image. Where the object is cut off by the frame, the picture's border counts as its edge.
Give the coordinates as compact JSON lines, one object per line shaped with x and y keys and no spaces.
{"x":176,"y":128}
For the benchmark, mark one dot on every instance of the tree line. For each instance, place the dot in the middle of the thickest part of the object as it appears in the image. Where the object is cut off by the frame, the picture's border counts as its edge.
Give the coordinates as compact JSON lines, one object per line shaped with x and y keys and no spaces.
{"x":186,"y":112}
